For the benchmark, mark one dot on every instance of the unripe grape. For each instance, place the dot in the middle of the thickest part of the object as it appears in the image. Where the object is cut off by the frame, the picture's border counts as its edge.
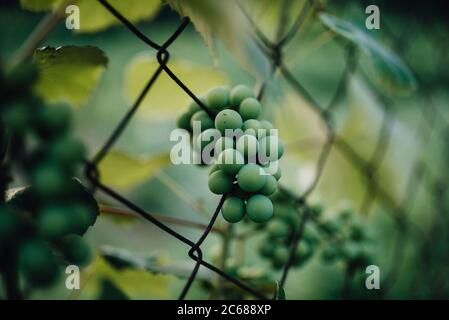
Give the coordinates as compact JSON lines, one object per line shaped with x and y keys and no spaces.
{"x":271,"y":148}
{"x":248,"y":146}
{"x":48,"y":180}
{"x":80,"y":219}
{"x":207,"y":137}
{"x":9,"y":225}
{"x":228,"y":119}
{"x":194,"y":107}
{"x":281,"y":255}
{"x":16,"y":117}
{"x":217,"y":98}
{"x":230,"y":161}
{"x":75,"y":250}
{"x":214,"y":168}
{"x":68,"y":150}
{"x":252,"y":127}
{"x":250,"y":108}
{"x":240,"y":93}
{"x":303,"y":253}
{"x":183,"y":121}
{"x":84,"y":198}
{"x":330,"y":254}
{"x":203,"y":118}
{"x":54,"y":120}
{"x":259,"y":208}
{"x":38,"y":264}
{"x":222,"y":144}
{"x":219,"y":182}
{"x":267,"y":125}
{"x":267,"y":249}
{"x":277,"y":229}
{"x":270,"y":186}
{"x":251,"y":177}
{"x":54,"y":222}
{"x":233,"y":209}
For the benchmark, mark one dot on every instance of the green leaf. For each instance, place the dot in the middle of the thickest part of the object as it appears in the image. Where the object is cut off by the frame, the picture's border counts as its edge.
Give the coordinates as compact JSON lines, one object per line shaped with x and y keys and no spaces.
{"x":167,"y":97}
{"x":120,"y":170}
{"x":38,"y":5}
{"x":121,"y":259}
{"x":226,"y":21}
{"x":94,"y":17}
{"x":385,"y":68}
{"x":280,"y":294}
{"x":68,"y":74}
{"x":109,"y":291}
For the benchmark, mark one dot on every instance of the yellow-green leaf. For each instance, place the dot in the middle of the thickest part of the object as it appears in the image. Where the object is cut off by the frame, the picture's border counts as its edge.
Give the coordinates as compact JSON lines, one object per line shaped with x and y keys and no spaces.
{"x":37,"y":5}
{"x":226,"y":21}
{"x":166,"y":97}
{"x":68,"y":74}
{"x":94,"y":17}
{"x":120,"y":170}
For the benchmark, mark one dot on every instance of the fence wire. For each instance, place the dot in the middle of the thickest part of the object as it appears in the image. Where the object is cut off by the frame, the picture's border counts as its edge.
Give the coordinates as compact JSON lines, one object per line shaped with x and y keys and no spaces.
{"x":367,"y":168}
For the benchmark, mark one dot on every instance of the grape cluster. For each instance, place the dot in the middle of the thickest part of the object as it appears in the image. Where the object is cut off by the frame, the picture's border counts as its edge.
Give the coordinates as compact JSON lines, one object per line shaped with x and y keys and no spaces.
{"x":276,"y":246}
{"x":347,"y":240}
{"x":40,"y":225}
{"x":244,"y":151}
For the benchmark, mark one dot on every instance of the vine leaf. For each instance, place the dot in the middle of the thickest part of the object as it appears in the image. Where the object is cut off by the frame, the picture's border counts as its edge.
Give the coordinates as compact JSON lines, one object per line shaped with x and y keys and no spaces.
{"x":382,"y":65}
{"x":120,"y":170}
{"x":69,"y":73}
{"x":225,"y":20}
{"x":98,"y":18}
{"x":280,"y":294}
{"x":121,"y":259}
{"x":169,"y":97}
{"x":38,"y":5}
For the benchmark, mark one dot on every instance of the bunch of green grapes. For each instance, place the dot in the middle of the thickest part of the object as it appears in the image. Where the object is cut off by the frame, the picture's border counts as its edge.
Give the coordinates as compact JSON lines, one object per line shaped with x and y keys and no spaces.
{"x":347,"y":240}
{"x":277,"y":244}
{"x":244,"y":151}
{"x":41,"y":224}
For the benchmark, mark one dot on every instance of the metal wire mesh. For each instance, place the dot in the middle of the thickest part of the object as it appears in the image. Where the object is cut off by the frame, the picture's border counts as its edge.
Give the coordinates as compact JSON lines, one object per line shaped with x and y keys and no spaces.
{"x":367,"y":168}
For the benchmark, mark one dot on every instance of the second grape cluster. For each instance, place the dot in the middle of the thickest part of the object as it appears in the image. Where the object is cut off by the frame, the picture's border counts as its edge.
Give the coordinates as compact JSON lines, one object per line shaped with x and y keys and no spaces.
{"x":244,"y":151}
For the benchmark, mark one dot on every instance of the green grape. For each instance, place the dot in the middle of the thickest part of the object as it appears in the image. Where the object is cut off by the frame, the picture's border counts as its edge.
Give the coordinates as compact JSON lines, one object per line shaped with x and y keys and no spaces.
{"x":267,"y":125}
{"x":75,"y":250}
{"x":214,"y":168}
{"x":228,"y":119}
{"x":277,"y":229}
{"x":53,"y":120}
{"x":9,"y":225}
{"x":48,"y":180}
{"x":204,"y":120}
{"x":259,"y":208}
{"x":251,"y":178}
{"x":84,"y":198}
{"x":252,"y":127}
{"x":238,"y":192}
{"x":54,"y":222}
{"x":233,"y":209}
{"x":38,"y":264}
{"x":280,"y":257}
{"x":317,"y":209}
{"x":270,"y":186}
{"x":330,"y":254}
{"x":248,"y":146}
{"x":330,"y":226}
{"x":240,"y":93}
{"x":357,"y":233}
{"x":207,"y":137}
{"x":267,"y":249}
{"x":194,"y":107}
{"x":311,"y":235}
{"x":183,"y":121}
{"x":68,"y":150}
{"x":230,"y":161}
{"x":217,"y":98}
{"x":277,"y":175}
{"x":271,"y":148}
{"x":80,"y":219}
{"x":250,"y":108}
{"x":16,"y":117}
{"x":223,"y":143}
{"x":303,"y":253}
{"x":219,"y":182}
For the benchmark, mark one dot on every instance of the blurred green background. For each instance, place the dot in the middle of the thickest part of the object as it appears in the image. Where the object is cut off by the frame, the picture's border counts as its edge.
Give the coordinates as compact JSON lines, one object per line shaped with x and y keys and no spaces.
{"x":416,"y":151}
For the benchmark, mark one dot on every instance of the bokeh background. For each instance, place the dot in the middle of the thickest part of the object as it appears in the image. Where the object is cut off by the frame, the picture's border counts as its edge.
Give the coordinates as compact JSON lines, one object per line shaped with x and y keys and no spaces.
{"x":401,"y":126}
